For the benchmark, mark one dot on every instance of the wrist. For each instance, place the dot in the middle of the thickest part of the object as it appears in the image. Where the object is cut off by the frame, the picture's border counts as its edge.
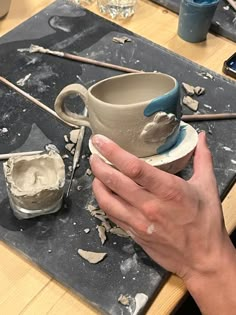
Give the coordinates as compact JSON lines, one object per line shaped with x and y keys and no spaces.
{"x":213,"y":286}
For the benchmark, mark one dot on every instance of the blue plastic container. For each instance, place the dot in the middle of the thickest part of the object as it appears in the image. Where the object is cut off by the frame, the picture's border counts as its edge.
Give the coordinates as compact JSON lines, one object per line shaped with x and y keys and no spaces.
{"x":195,"y":18}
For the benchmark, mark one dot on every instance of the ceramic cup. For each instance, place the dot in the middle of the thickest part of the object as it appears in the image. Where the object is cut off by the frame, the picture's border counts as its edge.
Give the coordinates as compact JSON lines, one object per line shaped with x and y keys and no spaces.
{"x":139,"y":111}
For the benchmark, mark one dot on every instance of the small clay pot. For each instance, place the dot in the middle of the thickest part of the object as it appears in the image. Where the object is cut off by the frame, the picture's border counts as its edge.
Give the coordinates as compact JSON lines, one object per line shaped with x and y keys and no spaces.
{"x":35,"y":183}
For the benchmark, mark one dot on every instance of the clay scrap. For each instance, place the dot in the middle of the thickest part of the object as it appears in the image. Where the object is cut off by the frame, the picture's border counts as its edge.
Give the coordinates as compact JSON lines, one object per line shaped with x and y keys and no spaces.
{"x":124,"y":299}
{"x":118,"y":231}
{"x":105,"y":223}
{"x":189,"y":89}
{"x":74,"y":135}
{"x":69,"y":146}
{"x":198,"y":90}
{"x":190,"y":103}
{"x":121,"y":40}
{"x":91,"y":257}
{"x":102,"y":233}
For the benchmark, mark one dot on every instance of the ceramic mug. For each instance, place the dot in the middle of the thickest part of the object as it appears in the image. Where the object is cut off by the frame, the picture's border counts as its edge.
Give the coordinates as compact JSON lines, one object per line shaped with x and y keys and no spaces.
{"x":139,"y":111}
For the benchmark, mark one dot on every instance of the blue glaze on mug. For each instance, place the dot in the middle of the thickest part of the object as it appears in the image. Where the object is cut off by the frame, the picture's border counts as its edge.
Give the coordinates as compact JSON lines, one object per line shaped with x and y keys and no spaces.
{"x":168,"y":103}
{"x":181,"y":134}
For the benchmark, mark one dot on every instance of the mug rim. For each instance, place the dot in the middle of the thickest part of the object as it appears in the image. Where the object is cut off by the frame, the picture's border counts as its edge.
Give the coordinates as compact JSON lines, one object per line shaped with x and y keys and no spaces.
{"x":131,"y":74}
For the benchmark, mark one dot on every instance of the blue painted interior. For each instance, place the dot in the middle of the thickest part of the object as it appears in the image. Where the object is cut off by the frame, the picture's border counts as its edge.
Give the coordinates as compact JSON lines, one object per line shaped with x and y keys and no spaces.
{"x":168,"y":103}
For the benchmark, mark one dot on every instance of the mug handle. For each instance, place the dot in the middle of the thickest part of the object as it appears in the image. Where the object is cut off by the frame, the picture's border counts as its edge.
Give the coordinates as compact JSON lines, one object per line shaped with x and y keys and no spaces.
{"x":64,"y":113}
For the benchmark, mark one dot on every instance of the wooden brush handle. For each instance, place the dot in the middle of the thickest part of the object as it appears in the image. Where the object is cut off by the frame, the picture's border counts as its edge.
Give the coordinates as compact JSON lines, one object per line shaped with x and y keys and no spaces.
{"x":199,"y":117}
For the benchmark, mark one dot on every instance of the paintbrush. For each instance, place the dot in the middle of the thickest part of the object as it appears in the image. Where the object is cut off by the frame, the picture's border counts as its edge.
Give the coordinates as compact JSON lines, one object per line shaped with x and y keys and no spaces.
{"x":200,"y":117}
{"x":34,"y":100}
{"x":78,"y":148}
{"x":6,"y":156}
{"x":39,"y":49}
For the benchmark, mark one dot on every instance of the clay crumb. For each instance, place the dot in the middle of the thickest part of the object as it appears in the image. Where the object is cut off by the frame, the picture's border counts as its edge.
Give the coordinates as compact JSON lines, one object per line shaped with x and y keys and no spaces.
{"x":106,"y":225}
{"x":79,"y":188}
{"x":190,"y":103}
{"x":87,"y":230}
{"x":69,"y":146}
{"x":91,"y":208}
{"x":121,"y":40}
{"x":3,"y":130}
{"x":124,"y":299}
{"x":101,"y":233}
{"x":74,"y":135}
{"x":98,"y":212}
{"x":118,"y":231}
{"x":198,"y":90}
{"x":208,"y":76}
{"x":88,"y":172}
{"x":100,"y":217}
{"x":65,"y":156}
{"x":189,"y":89}
{"x":70,"y":168}
{"x":66,"y":138}
{"x":21,"y":82}
{"x":92,"y":257}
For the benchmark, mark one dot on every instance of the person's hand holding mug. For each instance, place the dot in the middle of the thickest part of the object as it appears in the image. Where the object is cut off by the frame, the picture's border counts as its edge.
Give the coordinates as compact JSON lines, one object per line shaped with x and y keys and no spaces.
{"x":178,"y":223}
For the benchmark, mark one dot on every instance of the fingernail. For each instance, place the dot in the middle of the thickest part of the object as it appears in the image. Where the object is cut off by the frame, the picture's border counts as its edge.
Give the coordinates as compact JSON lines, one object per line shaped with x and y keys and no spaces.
{"x":94,"y":158}
{"x":99,"y":141}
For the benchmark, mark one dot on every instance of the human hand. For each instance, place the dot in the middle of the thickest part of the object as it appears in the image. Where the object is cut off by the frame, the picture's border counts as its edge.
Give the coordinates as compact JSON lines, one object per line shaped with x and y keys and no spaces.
{"x":178,"y":223}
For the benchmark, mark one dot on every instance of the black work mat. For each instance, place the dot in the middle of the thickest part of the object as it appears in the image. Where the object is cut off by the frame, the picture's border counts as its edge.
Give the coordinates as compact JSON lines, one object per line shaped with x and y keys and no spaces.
{"x":224,"y":20}
{"x":52,"y":241}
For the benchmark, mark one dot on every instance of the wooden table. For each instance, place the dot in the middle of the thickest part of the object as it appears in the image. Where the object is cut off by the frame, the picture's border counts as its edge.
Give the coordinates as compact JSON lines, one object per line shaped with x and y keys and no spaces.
{"x":24,"y":288}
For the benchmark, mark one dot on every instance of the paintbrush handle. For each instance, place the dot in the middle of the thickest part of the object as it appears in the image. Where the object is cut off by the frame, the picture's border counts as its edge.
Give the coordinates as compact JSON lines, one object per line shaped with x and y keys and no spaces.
{"x":199,"y":117}
{"x":9,"y":155}
{"x":32,"y":99}
{"x":100,"y":63}
{"x":40,"y":49}
{"x":78,"y":148}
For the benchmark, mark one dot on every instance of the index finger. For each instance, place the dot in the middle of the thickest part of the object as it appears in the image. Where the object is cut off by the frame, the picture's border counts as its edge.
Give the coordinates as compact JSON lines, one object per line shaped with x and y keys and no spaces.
{"x":151,"y":178}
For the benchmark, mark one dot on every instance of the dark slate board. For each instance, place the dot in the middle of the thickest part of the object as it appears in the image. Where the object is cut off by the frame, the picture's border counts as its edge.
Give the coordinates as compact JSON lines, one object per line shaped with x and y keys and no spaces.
{"x":52,"y":241}
{"x":223,"y":23}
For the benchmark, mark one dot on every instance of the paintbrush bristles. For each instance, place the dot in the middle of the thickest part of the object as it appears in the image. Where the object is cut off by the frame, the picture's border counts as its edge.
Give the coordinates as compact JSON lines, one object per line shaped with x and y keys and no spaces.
{"x":40,"y":49}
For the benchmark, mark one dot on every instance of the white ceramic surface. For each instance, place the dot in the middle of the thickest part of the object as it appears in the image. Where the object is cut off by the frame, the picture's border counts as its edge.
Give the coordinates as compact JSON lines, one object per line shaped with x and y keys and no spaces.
{"x":175,"y":159}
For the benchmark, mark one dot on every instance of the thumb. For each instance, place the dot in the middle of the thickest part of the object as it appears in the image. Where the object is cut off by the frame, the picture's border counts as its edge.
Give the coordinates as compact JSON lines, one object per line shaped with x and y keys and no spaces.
{"x":202,"y":163}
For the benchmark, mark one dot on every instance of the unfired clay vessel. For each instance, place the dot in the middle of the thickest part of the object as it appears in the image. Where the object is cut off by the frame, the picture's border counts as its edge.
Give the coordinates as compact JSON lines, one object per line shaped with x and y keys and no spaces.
{"x":35,"y":183}
{"x":139,"y":111}
{"x":176,"y":158}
